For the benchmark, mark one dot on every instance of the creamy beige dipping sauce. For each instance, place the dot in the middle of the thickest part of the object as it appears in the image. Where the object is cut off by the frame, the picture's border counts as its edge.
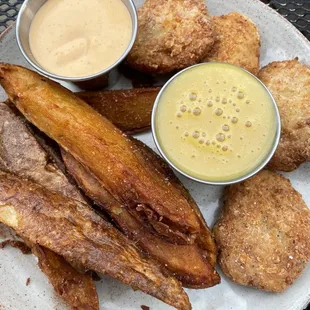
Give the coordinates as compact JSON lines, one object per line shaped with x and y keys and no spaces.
{"x":76,"y":38}
{"x":215,"y":122}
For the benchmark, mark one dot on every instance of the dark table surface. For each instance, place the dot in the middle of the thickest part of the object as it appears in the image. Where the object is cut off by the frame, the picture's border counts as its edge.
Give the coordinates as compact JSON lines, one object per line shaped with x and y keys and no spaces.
{"x":296,"y":11}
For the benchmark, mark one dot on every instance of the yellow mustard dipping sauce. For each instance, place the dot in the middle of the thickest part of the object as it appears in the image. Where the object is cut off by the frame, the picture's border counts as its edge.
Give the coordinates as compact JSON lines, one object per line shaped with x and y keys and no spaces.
{"x":77,"y":38}
{"x":215,"y":122}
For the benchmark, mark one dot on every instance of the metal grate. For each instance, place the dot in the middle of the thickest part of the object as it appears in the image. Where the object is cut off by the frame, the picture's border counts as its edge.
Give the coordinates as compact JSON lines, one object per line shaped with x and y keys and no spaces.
{"x":8,"y":12}
{"x":296,"y":11}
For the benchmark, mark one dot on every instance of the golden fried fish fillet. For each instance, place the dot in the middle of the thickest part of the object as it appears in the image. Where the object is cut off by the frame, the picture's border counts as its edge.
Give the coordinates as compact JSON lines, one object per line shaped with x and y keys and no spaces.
{"x":172,"y":34}
{"x":263,"y":233}
{"x":237,"y":42}
{"x":289,"y":83}
{"x":73,"y":230}
{"x":128,"y":109}
{"x":22,"y":155}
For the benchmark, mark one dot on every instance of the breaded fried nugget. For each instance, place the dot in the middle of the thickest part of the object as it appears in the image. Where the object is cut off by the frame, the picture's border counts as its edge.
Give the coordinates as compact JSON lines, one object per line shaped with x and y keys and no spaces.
{"x":263,"y":233}
{"x":289,"y":82}
{"x":172,"y":34}
{"x":237,"y":42}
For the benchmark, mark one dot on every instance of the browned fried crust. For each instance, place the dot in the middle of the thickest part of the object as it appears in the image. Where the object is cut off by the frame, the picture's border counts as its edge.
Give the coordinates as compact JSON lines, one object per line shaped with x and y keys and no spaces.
{"x":31,"y":161}
{"x":75,"y":288}
{"x":76,"y":232}
{"x":196,"y":273}
{"x":172,"y":34}
{"x":128,"y":109}
{"x":237,"y":42}
{"x":205,"y":238}
{"x":289,"y":83}
{"x":22,"y":246}
{"x":100,"y":146}
{"x":263,"y":233}
{"x":21,"y":154}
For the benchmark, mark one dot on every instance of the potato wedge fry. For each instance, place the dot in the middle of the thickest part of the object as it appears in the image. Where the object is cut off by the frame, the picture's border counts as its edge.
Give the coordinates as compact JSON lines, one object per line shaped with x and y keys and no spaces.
{"x":21,"y":154}
{"x":196,"y":273}
{"x":74,"y":231}
{"x":104,"y":149}
{"x":77,"y":289}
{"x":128,"y":109}
{"x":205,"y":239}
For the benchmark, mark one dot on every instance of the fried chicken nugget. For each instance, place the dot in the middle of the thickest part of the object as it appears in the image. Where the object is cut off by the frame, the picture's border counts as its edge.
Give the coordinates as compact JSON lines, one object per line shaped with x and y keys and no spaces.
{"x":237,"y":42}
{"x":263,"y":232}
{"x":289,"y":83}
{"x":172,"y":34}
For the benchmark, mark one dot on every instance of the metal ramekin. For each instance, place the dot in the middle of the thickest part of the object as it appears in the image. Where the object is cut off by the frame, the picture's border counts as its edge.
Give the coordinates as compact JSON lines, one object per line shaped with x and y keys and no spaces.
{"x":236,"y":180}
{"x":24,"y":19}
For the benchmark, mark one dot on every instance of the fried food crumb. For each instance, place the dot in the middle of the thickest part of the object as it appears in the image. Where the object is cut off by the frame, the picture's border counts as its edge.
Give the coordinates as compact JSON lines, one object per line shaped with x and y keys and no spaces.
{"x":145,"y":307}
{"x":237,"y":42}
{"x":172,"y":35}
{"x":27,"y":281}
{"x":263,"y":233}
{"x":16,"y":244}
{"x":289,"y":83}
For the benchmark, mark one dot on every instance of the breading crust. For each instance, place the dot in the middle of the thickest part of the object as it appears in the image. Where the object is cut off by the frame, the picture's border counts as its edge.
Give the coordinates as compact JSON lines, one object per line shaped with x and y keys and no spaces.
{"x":237,"y":42}
{"x":172,"y":34}
{"x":75,"y":231}
{"x":289,"y":83}
{"x":128,"y":109}
{"x":263,"y":233}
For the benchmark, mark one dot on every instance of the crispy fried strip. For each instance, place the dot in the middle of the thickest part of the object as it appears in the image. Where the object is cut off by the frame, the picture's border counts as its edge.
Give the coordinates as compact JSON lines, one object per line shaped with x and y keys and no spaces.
{"x":128,"y":109}
{"x":196,"y":273}
{"x":25,"y":157}
{"x":74,"y":231}
{"x":205,"y":239}
{"x":21,"y":154}
{"x":22,"y":246}
{"x":76,"y":288}
{"x":99,"y":145}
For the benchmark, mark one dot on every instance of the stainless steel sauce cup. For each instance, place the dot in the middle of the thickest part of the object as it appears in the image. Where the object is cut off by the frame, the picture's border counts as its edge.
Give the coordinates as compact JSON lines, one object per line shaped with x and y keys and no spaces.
{"x":24,"y":20}
{"x":232,"y":181}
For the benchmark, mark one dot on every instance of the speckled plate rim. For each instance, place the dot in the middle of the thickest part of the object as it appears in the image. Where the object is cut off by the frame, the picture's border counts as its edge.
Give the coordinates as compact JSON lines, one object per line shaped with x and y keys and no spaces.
{"x":290,"y":25}
{"x":291,"y":28}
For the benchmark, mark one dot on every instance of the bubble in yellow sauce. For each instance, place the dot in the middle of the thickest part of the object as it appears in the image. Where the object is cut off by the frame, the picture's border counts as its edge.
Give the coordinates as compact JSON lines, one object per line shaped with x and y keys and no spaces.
{"x":217,"y":140}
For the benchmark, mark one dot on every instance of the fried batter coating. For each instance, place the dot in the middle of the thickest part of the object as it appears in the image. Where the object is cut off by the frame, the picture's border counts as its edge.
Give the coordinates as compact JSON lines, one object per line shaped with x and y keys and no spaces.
{"x":172,"y":34}
{"x":75,"y":231}
{"x":289,"y":83}
{"x":263,"y":232}
{"x":128,"y":109}
{"x":237,"y":42}
{"x":200,"y":258}
{"x":122,"y":170}
{"x":22,"y":155}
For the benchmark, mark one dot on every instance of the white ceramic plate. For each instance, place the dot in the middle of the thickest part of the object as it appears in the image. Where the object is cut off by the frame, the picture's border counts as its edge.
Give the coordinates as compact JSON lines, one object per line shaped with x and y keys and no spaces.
{"x":280,"y":40}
